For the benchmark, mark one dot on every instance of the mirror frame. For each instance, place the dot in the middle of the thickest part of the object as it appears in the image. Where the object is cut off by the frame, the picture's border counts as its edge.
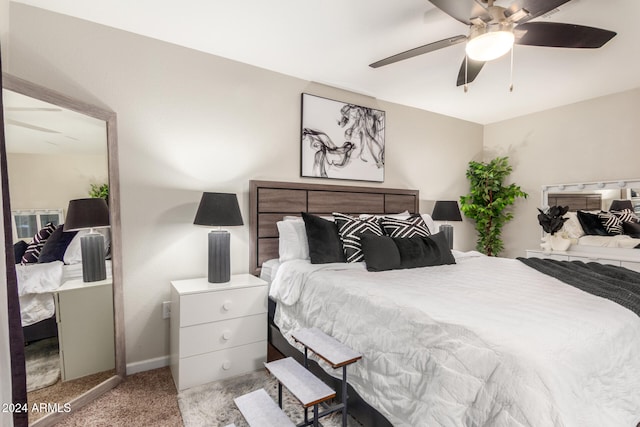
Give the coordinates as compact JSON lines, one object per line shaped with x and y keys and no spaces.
{"x":583,"y":187}
{"x":33,"y":90}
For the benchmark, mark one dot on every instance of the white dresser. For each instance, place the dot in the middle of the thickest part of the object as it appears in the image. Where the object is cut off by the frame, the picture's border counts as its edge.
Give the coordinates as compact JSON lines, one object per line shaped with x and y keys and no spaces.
{"x":613,"y":256}
{"x":218,"y":330}
{"x":84,"y":313}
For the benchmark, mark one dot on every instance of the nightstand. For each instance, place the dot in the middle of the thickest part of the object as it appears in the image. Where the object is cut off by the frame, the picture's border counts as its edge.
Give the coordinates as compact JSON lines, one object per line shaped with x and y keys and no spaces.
{"x":626,"y":258}
{"x":218,"y":330}
{"x":84,"y":313}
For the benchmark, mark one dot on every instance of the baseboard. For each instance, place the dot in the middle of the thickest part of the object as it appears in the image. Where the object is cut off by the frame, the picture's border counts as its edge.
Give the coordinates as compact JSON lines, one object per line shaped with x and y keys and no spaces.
{"x":147,"y":365}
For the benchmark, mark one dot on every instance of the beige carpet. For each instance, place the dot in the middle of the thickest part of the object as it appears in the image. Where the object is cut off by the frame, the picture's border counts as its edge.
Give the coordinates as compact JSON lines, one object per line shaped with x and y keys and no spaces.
{"x":144,"y":399}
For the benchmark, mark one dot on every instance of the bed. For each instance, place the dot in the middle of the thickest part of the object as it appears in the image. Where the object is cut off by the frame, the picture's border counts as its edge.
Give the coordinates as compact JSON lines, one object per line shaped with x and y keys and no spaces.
{"x":453,"y":344}
{"x":57,"y":260}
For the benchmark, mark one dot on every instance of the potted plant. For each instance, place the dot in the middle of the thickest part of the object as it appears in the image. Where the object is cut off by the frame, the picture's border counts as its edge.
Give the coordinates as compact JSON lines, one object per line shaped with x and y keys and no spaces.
{"x":488,"y":201}
{"x":99,"y":191}
{"x":552,"y":220}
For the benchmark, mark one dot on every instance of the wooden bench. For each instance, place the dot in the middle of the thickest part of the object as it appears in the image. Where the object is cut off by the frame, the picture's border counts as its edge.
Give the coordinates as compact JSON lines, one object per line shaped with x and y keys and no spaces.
{"x":259,"y":409}
{"x":335,"y":354}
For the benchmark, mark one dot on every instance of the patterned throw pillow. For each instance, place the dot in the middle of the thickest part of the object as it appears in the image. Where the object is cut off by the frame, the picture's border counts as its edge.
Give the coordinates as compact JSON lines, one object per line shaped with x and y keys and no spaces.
{"x":350,"y":229}
{"x":611,"y":223}
{"x":32,"y":253}
{"x":626,"y":215}
{"x":414,"y":226}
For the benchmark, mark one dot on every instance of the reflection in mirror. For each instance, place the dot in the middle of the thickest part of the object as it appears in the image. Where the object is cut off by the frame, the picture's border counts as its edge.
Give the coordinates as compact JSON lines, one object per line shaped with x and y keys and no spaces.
{"x":591,"y":223}
{"x":54,"y":155}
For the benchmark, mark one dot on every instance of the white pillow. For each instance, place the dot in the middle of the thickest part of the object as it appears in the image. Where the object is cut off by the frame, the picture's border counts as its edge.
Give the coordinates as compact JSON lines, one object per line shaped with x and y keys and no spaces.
{"x":572,"y":226}
{"x":429,"y":221}
{"x":292,"y":243}
{"x":401,"y":215}
{"x":73,"y":254}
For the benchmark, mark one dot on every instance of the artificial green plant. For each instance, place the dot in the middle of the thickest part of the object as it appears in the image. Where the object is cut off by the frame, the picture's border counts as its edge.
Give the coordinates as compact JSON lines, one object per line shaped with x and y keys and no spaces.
{"x":488,"y":201}
{"x":99,"y":191}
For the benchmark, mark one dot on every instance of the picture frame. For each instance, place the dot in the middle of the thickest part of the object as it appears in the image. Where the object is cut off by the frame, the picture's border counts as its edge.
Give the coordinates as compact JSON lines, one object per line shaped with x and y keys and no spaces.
{"x":341,"y":140}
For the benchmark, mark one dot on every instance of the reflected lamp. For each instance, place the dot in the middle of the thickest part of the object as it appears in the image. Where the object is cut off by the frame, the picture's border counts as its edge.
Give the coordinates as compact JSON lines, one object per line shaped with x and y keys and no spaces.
{"x":89,"y":214}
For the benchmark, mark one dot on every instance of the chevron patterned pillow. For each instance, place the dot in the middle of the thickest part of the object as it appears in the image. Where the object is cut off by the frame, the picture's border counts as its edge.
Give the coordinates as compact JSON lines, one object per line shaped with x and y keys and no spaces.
{"x":611,"y":223}
{"x":414,"y":226}
{"x":626,"y":215}
{"x":32,"y":253}
{"x":350,"y":229}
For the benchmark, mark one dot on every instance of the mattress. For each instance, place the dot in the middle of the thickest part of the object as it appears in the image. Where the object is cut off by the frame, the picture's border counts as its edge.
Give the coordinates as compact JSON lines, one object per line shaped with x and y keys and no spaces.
{"x":485,"y":342}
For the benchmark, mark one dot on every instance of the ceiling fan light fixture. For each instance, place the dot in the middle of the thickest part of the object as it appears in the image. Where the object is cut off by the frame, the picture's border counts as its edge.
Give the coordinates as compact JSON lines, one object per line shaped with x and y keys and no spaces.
{"x":490,"y":42}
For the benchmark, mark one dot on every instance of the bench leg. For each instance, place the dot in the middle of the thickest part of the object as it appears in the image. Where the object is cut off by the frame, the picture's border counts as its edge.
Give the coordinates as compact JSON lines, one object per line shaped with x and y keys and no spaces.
{"x":280,"y":394}
{"x":344,"y":396}
{"x":315,"y":415}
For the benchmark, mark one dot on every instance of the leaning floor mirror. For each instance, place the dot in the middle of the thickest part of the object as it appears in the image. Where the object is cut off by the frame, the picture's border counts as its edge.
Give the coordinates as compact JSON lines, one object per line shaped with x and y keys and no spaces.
{"x":59,"y":149}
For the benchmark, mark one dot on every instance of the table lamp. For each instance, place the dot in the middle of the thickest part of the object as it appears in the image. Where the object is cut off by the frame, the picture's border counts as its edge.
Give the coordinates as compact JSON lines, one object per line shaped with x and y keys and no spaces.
{"x":446,"y":210}
{"x":219,"y":209}
{"x":90,"y":214}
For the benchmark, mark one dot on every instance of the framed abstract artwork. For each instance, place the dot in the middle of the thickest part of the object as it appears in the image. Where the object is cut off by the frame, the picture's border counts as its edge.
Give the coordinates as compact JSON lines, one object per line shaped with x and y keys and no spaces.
{"x":341,"y":140}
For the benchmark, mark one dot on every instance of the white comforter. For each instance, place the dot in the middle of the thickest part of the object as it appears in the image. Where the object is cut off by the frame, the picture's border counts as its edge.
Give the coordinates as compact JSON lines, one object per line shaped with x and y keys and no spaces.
{"x":485,"y":342}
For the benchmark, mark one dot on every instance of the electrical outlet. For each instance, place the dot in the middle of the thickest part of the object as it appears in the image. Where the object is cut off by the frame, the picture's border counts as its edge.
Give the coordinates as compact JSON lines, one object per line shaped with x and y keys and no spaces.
{"x":166,"y":309}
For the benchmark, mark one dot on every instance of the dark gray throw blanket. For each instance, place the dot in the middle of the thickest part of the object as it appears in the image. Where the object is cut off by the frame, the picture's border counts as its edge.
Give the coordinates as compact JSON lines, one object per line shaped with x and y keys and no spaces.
{"x":617,"y":284}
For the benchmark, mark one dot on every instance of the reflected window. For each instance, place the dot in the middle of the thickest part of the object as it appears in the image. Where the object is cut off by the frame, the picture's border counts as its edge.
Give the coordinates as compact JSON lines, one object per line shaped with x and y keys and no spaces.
{"x":26,"y":223}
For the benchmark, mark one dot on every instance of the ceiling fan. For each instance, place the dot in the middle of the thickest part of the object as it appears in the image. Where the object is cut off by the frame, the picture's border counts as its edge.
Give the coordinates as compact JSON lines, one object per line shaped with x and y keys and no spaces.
{"x":493,"y":30}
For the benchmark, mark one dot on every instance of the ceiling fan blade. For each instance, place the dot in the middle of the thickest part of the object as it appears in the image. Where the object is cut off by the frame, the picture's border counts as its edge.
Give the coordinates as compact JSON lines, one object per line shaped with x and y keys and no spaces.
{"x":419,"y":51}
{"x":28,"y":126}
{"x":554,"y":34}
{"x":472,"y":71}
{"x":534,"y":7}
{"x":463,"y":10}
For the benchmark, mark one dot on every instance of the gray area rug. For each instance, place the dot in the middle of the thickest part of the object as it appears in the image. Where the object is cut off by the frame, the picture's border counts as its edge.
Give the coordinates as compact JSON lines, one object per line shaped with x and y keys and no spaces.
{"x":42,"y":360}
{"x":212,"y":404}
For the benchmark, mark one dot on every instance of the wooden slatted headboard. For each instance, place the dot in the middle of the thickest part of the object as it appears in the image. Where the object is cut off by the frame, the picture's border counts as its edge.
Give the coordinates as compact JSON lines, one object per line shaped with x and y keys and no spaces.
{"x":270,"y":201}
{"x":585,"y":202}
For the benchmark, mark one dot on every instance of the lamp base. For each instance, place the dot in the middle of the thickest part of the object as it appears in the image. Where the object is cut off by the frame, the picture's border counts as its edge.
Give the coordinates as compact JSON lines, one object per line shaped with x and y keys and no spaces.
{"x":447,"y":230}
{"x":219,"y":256}
{"x":93,"y":264}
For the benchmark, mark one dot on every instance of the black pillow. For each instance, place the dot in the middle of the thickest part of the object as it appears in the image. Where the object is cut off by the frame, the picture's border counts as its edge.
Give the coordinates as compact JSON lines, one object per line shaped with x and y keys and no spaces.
{"x":380,"y":252}
{"x":424,"y":251}
{"x":591,"y":224}
{"x":324,"y":240}
{"x":56,"y":245}
{"x":632,"y":229}
{"x":19,"y":248}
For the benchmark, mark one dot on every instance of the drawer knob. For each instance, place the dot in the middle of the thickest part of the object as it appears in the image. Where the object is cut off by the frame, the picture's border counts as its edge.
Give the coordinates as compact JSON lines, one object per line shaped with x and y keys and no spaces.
{"x":226,"y":306}
{"x":226,"y":365}
{"x":226,"y":335}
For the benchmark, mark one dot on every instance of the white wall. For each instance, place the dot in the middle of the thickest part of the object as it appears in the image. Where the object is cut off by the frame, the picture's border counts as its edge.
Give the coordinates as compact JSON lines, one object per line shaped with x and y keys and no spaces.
{"x":190,"y":122}
{"x":594,"y":140}
{"x":49,"y":181}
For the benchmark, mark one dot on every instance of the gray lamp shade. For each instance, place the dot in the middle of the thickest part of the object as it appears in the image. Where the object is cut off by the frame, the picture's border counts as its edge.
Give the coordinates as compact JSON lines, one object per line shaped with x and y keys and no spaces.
{"x":86,"y":213}
{"x":446,"y":210}
{"x":619,"y":205}
{"x":218,"y":209}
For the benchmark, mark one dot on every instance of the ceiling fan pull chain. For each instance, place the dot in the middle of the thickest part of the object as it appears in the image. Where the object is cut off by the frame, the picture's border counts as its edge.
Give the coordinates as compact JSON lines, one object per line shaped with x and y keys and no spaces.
{"x":511,"y":77}
{"x":466,"y":67}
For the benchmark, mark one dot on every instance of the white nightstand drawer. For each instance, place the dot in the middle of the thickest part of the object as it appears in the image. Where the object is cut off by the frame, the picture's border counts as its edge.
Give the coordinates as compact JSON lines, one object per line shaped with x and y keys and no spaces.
{"x":215,"y":336}
{"x":221,"y":364}
{"x":220,"y":305}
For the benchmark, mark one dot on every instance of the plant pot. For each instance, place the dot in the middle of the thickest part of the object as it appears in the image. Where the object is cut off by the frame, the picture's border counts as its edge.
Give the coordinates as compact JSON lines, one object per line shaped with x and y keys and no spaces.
{"x":559,"y":243}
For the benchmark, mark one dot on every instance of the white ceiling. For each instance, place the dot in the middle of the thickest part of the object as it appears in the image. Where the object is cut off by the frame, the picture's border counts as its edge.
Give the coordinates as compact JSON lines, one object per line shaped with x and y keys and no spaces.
{"x":37,"y":127}
{"x":333,"y":41}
